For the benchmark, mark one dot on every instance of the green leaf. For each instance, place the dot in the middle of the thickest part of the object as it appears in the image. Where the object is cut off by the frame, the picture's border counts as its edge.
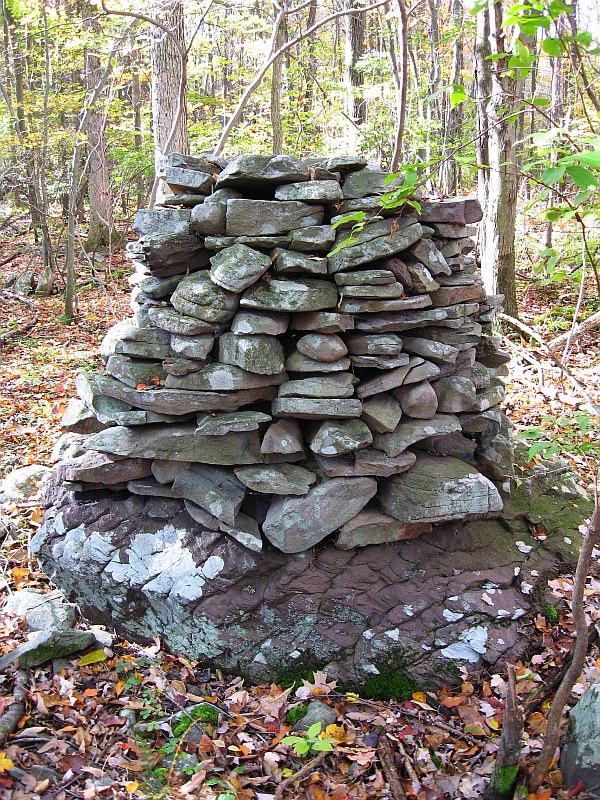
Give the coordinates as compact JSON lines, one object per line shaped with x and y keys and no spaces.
{"x":583,"y":37}
{"x":92,"y":658}
{"x":349,"y":240}
{"x":352,"y":216}
{"x":314,"y":730}
{"x":320,"y":745}
{"x":582,"y":177}
{"x":553,"y":175}
{"x":590,"y":157}
{"x":553,"y":47}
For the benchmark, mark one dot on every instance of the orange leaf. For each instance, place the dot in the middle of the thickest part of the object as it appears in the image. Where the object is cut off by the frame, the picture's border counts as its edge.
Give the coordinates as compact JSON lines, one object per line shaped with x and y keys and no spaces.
{"x":452,"y":702}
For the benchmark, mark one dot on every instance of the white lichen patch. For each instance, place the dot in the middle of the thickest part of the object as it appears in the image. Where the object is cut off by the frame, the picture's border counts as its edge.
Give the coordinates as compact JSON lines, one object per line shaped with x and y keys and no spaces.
{"x":470,"y":646}
{"x":451,"y":616}
{"x":393,"y":634}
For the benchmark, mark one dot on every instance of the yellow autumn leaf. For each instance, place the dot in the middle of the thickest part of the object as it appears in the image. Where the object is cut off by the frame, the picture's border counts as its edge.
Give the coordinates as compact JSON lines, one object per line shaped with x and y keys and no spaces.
{"x":131,"y":787}
{"x":6,"y":764}
{"x":287,"y":772}
{"x":336,"y":732}
{"x":420,"y":697}
{"x":92,"y":658}
{"x":493,"y":723}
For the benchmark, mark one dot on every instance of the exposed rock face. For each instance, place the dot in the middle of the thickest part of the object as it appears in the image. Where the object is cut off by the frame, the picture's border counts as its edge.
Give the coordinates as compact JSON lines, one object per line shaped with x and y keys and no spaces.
{"x":277,"y":386}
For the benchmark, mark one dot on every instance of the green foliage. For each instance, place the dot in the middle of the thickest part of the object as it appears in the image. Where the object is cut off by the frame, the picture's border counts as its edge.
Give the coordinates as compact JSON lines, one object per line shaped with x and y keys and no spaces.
{"x":312,"y":742}
{"x":562,"y":436}
{"x":205,"y":712}
{"x":551,"y":613}
{"x":296,"y":713}
{"x":389,"y":685}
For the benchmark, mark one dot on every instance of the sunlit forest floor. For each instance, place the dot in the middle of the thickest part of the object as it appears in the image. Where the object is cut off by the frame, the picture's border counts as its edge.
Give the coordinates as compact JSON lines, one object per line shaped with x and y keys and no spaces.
{"x":78,"y":725}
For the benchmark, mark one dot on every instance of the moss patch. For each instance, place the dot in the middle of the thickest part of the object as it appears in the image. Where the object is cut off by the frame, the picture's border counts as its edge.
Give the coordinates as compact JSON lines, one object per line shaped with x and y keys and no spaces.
{"x":389,"y":686}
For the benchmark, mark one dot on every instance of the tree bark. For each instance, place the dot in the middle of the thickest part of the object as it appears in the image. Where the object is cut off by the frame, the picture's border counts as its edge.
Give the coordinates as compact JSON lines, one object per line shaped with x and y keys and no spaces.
{"x":276,"y":83}
{"x":433,"y":102}
{"x":169,"y":117}
{"x":356,"y":107}
{"x":403,"y":91}
{"x":450,"y":169}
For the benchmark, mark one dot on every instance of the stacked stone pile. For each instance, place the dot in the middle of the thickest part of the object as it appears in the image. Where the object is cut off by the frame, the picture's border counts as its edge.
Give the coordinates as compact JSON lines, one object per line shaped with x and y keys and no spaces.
{"x":278,"y":388}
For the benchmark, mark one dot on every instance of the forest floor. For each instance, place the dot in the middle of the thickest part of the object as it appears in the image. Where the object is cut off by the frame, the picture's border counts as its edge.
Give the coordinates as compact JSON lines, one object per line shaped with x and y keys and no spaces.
{"x":427,"y":745}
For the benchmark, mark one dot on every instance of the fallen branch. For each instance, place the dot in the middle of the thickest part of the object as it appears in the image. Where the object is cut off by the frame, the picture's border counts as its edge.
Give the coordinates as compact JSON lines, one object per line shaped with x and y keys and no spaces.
{"x":10,"y":720}
{"x":6,"y":261}
{"x":27,"y":326}
{"x":578,"y":330}
{"x":506,"y":768}
{"x":306,"y":770}
{"x":591,"y":537}
{"x":386,"y":757}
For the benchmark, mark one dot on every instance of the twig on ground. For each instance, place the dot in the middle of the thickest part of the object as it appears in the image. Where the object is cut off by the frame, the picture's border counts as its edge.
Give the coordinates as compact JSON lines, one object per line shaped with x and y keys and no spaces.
{"x":300,"y":775}
{"x":506,"y":768}
{"x":10,"y":720}
{"x":578,"y":330}
{"x":27,"y":326}
{"x":10,"y":258}
{"x":386,"y":757}
{"x":591,"y":537}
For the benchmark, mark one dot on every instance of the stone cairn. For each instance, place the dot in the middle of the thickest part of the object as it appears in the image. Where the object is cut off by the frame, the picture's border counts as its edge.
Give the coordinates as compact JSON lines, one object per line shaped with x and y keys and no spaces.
{"x":269,"y":395}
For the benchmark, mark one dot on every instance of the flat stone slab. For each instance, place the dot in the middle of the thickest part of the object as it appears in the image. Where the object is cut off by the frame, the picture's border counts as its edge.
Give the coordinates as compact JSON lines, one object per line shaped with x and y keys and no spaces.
{"x":249,"y":171}
{"x":215,"y":490}
{"x":298,"y":362}
{"x":372,"y":527}
{"x":439,"y":489}
{"x":170,"y":320}
{"x":46,"y":646}
{"x":230,"y":422}
{"x":322,"y":321}
{"x":309,"y":408}
{"x":326,"y":191}
{"x":223,"y":377}
{"x":368,"y":461}
{"x":286,"y":479}
{"x":294,"y":524}
{"x":374,"y":344}
{"x":410,"y":431}
{"x":197,"y":296}
{"x":306,"y":294}
{"x":288,"y":261}
{"x":333,"y":438}
{"x":378,"y":240}
{"x":247,"y":323}
{"x":270,"y":217}
{"x":42,"y":610}
{"x":338,"y":384}
{"x":237,"y":267}
{"x":197,"y":347}
{"x":261,"y":354}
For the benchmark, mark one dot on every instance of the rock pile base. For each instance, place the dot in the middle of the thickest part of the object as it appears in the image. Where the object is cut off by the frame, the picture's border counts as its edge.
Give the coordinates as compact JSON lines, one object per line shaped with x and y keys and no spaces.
{"x":290,"y":397}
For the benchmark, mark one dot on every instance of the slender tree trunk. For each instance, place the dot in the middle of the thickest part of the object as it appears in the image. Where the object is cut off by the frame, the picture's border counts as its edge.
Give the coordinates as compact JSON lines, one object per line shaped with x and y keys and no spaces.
{"x":450,"y":169}
{"x":138,"y":139}
{"x":555,"y":112}
{"x":276,"y":83}
{"x":433,"y":102}
{"x":403,"y":92}
{"x":498,"y":180}
{"x":356,"y":108}
{"x":169,"y":117}
{"x":100,"y":216}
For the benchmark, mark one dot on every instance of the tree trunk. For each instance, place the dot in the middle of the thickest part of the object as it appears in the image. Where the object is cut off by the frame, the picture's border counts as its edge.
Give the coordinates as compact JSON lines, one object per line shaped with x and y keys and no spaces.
{"x":276,"y":83}
{"x":450,"y":169}
{"x":403,"y":90}
{"x":168,"y":63}
{"x":136,"y":104}
{"x":497,"y":180}
{"x":433,"y":102}
{"x":356,"y":107}
{"x":100,"y":219}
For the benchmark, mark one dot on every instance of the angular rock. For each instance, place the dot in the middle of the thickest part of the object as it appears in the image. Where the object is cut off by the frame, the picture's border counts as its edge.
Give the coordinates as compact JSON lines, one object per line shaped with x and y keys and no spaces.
{"x":282,"y":442}
{"x":297,"y":362}
{"x":204,"y":298}
{"x":340,"y":384}
{"x":461,"y":211}
{"x":208,"y":219}
{"x":429,"y":348}
{"x":390,"y":291}
{"x":270,"y":217}
{"x":410,"y":431}
{"x":170,"y":320}
{"x":299,"y":294}
{"x":308,"y":408}
{"x":188,"y":180}
{"x":383,"y":383}
{"x":197,"y":347}
{"x":374,"y":345}
{"x":178,"y":443}
{"x":380,"y":362}
{"x":288,"y":261}
{"x":237,"y":267}
{"x":366,"y":277}
{"x":378,"y":240}
{"x":260,"y":354}
{"x":438,"y":489}
{"x":455,"y":394}
{"x":426,"y":252}
{"x":580,"y":755}
{"x":218,"y":377}
{"x":313,"y":239}
{"x":322,"y":321}
{"x":449,"y":295}
{"x":285,"y":479}
{"x":382,"y":413}
{"x":296,"y":524}
{"x":168,"y":471}
{"x":367,"y":461}
{"x":80,"y":418}
{"x":46,"y":646}
{"x":133,"y":372}
{"x":230,"y":422}
{"x":201,"y":516}
{"x":91,"y":467}
{"x":42,"y":610}
{"x":450,"y":230}
{"x":322,"y":347}
{"x":248,"y":172}
{"x":310,"y":191}
{"x":366,"y":182}
{"x":157,"y":288}
{"x":317,"y":712}
{"x":418,"y":400}
{"x":401,"y":321}
{"x":162,"y":221}
{"x":215,"y":490}
{"x":244,"y":530}
{"x":336,"y":438}
{"x":372,"y":527}
{"x":257,"y":322}
{"x":352,"y":306}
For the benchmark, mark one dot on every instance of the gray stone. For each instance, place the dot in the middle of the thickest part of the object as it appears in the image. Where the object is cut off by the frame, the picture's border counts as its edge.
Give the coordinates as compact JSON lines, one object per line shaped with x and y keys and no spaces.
{"x":374,"y":345}
{"x":384,"y":383}
{"x":489,"y":397}
{"x":298,"y":362}
{"x":215,"y":490}
{"x":455,"y":394}
{"x":427,"y":253}
{"x":322,"y":321}
{"x":167,"y":471}
{"x":196,"y":347}
{"x":339,"y":163}
{"x":333,"y":438}
{"x":149,"y":350}
{"x":248,"y":172}
{"x":127,"y":332}
{"x":401,"y":321}
{"x":380,"y":362}
{"x":322,"y":347}
{"x":182,"y":200}
{"x":256,"y":242}
{"x":391,"y":291}
{"x":340,"y":384}
{"x":157,"y":288}
{"x":205,"y":162}
{"x":451,"y":231}
{"x":294,"y":524}
{"x":367,"y":461}
{"x":282,"y":442}
{"x":208,"y":219}
{"x":260,"y":354}
{"x":68,"y":445}
{"x":188,"y":179}
{"x":257,"y":322}
{"x":178,"y":443}
{"x":410,"y":431}
{"x":449,"y":295}
{"x":244,"y":530}
{"x":317,"y":712}
{"x":285,"y":479}
{"x":299,"y":294}
{"x":366,"y":182}
{"x":378,"y":240}
{"x":580,"y":756}
{"x":288,"y":261}
{"x":309,"y":408}
{"x":421,"y":279}
{"x":437,"y":490}
{"x":270,"y":217}
{"x":429,"y":348}
{"x":366,"y":277}
{"x":313,"y":239}
{"x":162,"y":221}
{"x":23,"y":482}
{"x":327,"y":191}
{"x":133,"y":372}
{"x":170,"y":320}
{"x":461,"y":211}
{"x":450,"y":444}
{"x":47,"y":645}
{"x":201,"y":516}
{"x":352,"y":306}
{"x":372,"y":527}
{"x":80,"y":418}
{"x":418,"y":400}
{"x":382,"y":413}
{"x":218,"y":377}
{"x":207,"y":300}
{"x":237,"y":267}
{"x":230,"y":422}
{"x":42,"y":610}
{"x":91,"y":467}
